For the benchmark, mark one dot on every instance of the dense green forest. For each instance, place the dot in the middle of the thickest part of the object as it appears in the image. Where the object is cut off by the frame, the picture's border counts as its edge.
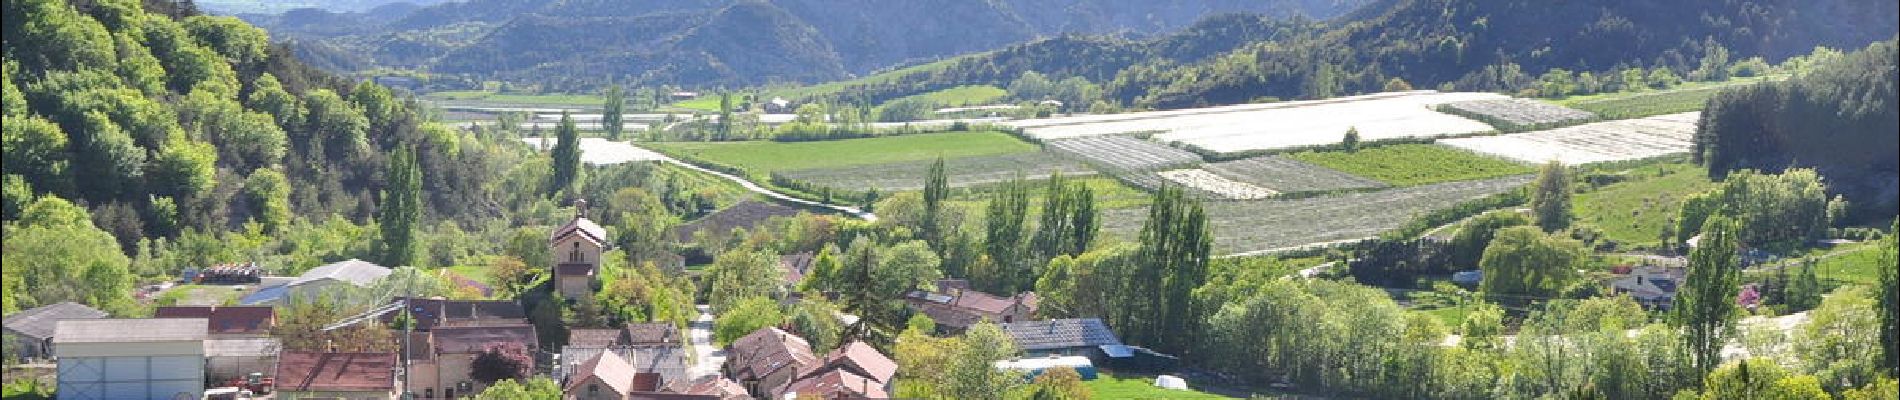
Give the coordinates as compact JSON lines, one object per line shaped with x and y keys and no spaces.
{"x":142,"y":138}
{"x":1839,"y":119}
{"x":1493,"y":45}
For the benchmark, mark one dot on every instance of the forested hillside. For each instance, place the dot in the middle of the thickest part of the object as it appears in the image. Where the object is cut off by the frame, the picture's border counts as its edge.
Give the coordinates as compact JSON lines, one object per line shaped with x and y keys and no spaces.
{"x":702,"y":43}
{"x":1506,"y":44}
{"x":141,"y":139}
{"x":1839,"y":119}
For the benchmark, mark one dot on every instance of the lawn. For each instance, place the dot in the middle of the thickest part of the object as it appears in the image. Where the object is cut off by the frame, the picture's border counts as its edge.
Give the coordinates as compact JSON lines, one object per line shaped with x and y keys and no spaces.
{"x":760,"y":158}
{"x":1625,"y":105}
{"x":1107,"y":386}
{"x":1635,"y":211}
{"x":1851,"y":264}
{"x":1414,"y":164}
{"x":1452,"y":316}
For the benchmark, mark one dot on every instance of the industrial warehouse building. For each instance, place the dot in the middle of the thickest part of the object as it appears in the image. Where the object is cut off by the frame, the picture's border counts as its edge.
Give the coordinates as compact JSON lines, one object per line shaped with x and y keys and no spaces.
{"x":153,"y":358}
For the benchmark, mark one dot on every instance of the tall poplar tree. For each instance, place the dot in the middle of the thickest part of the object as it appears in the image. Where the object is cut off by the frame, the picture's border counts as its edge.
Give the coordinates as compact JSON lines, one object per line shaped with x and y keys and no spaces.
{"x":401,"y":210}
{"x":610,"y":117}
{"x":936,"y":189}
{"x":1003,"y":237}
{"x":1550,"y":199}
{"x":1705,"y":306}
{"x":1171,"y":262}
{"x":567,"y":155}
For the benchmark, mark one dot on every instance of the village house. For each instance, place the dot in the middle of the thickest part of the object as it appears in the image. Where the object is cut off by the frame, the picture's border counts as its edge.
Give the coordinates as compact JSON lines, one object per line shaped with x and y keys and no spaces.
{"x":455,"y":348}
{"x":795,"y":266}
{"x":954,"y":306}
{"x":576,"y":248}
{"x":31,"y":331}
{"x":1652,"y":286}
{"x":321,"y":375}
{"x":768,"y":359}
{"x":146,"y":358}
{"x":718,"y":387}
{"x":654,"y":348}
{"x":855,"y":370}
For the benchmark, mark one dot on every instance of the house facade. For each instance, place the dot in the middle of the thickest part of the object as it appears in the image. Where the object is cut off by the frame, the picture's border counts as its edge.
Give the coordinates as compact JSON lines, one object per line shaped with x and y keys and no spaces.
{"x":576,"y":248}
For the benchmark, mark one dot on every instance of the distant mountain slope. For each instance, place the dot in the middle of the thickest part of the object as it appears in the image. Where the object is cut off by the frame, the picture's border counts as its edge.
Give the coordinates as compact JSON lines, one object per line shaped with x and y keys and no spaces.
{"x":755,"y":42}
{"x":1491,"y":44}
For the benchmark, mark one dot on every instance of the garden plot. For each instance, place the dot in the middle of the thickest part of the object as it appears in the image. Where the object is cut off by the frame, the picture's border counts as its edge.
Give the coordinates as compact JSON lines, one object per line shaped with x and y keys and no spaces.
{"x":1282,"y":125}
{"x":1259,"y":225}
{"x":958,"y":172}
{"x":1520,"y":112}
{"x":1630,"y":139}
{"x":1122,"y":153}
{"x":1217,"y":185}
{"x":1286,"y":175}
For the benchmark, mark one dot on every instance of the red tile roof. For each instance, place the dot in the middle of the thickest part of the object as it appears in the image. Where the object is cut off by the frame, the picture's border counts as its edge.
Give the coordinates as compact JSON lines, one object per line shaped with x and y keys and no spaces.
{"x":610,"y":368}
{"x":300,"y":371}
{"x":475,"y":339}
{"x":767,"y":350}
{"x":230,"y":320}
{"x":835,"y":384}
{"x":585,"y":227}
{"x":722,"y":387}
{"x":865,"y":360}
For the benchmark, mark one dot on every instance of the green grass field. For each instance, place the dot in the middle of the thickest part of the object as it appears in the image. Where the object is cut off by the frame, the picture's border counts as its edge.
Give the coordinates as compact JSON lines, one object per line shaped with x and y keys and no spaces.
{"x":523,"y":99}
{"x":1414,"y":164}
{"x":963,"y":95}
{"x":709,"y":103}
{"x":1625,"y":105}
{"x":1635,"y":211}
{"x":1106,"y":386}
{"x":762,"y":157}
{"x":1851,"y":264}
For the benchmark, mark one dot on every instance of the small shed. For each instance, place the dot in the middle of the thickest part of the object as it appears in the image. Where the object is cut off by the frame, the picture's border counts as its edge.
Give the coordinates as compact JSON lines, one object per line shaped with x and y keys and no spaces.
{"x":1067,"y":337}
{"x":230,"y":358}
{"x":1036,"y":366}
{"x":32,"y":330}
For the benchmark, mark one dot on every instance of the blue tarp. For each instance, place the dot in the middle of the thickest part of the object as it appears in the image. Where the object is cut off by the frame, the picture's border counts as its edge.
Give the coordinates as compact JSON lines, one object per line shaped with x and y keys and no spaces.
{"x":1117,"y":351}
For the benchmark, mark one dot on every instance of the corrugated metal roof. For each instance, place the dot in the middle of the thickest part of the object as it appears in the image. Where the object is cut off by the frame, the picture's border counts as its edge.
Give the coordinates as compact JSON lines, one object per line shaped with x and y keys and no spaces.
{"x":38,"y":322}
{"x":130,"y":330}
{"x":354,"y":271}
{"x":1061,"y":334}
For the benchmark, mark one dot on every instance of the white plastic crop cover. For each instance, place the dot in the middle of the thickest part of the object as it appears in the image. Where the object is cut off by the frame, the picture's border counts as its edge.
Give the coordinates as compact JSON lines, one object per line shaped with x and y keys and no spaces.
{"x":1228,"y":129}
{"x":1630,"y":139}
